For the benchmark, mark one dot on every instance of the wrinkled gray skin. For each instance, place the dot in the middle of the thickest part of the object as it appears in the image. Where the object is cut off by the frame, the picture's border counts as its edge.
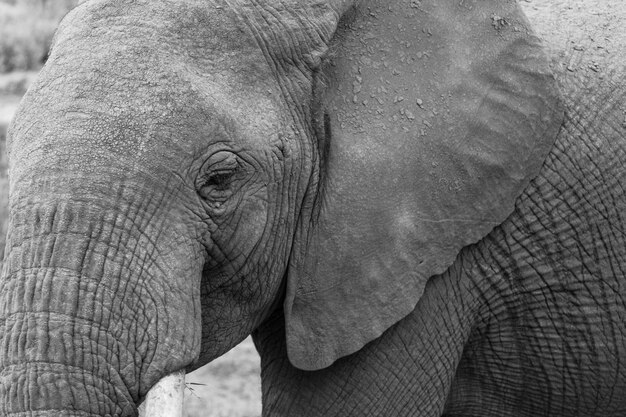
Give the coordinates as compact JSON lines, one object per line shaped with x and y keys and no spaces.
{"x":135,"y":249}
{"x":531,"y":320}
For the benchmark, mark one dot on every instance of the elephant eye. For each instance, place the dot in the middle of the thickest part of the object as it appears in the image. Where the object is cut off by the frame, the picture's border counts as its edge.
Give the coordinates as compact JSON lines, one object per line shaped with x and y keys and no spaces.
{"x":219,"y":179}
{"x":215,"y":182}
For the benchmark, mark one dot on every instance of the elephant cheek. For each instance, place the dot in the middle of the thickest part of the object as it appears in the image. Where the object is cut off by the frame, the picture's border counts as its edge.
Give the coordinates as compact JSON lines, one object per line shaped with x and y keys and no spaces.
{"x":83,"y":300}
{"x":249,"y":225}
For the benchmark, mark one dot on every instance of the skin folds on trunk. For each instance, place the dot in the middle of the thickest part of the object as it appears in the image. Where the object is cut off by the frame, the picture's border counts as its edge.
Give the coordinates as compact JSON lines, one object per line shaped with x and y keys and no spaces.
{"x":80,"y":331}
{"x":65,"y":355}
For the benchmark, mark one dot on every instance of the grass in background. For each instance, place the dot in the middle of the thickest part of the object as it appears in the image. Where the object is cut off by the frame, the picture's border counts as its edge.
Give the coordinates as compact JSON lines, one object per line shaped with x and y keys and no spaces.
{"x":26,"y":31}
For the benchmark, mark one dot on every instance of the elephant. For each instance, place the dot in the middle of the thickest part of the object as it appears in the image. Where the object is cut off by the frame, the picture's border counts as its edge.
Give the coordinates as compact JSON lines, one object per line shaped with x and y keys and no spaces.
{"x":413,"y":206}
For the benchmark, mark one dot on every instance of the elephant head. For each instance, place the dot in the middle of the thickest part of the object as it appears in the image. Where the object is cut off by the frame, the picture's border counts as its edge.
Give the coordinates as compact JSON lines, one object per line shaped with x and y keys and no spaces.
{"x":181,"y":168}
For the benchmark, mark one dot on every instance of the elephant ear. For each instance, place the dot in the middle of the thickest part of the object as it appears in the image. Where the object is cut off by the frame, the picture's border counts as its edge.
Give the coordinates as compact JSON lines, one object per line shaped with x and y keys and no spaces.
{"x":436,"y":116}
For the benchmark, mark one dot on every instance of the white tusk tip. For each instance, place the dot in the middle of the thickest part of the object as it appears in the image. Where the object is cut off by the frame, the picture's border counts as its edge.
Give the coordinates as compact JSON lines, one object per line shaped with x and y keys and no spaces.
{"x":165,"y":398}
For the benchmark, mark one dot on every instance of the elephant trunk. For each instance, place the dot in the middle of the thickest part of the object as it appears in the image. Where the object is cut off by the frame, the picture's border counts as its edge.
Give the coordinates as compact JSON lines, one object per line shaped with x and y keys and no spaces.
{"x":81,"y":313}
{"x":63,"y":343}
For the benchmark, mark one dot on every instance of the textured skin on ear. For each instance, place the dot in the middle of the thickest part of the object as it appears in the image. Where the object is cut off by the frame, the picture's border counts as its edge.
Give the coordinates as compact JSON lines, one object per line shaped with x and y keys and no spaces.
{"x":441,"y":113}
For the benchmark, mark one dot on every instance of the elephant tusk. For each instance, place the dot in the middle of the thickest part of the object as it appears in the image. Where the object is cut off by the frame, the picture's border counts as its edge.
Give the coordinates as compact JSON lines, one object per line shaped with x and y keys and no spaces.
{"x":165,"y":398}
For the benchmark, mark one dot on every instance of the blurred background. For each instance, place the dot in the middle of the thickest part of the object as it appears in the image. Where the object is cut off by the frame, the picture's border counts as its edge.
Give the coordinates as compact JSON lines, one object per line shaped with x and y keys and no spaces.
{"x":229,"y":386}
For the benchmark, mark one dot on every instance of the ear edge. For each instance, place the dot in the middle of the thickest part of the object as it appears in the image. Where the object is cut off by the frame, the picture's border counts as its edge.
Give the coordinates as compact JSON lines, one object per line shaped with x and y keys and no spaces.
{"x":302,"y":345}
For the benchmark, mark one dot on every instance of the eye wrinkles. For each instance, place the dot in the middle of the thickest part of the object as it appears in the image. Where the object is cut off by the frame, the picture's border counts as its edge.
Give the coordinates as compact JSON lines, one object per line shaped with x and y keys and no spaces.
{"x":226,"y":173}
{"x":216,"y":177}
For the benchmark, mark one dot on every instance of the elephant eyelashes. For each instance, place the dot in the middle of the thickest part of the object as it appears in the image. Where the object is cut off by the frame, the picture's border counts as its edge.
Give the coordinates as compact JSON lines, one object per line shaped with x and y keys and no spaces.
{"x":220,"y":179}
{"x":217,"y":186}
{"x":215,"y":181}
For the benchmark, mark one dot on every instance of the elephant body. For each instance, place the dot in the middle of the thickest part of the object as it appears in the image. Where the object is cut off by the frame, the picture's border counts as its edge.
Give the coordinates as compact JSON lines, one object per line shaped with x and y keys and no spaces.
{"x":415,"y":207}
{"x":511,"y":329}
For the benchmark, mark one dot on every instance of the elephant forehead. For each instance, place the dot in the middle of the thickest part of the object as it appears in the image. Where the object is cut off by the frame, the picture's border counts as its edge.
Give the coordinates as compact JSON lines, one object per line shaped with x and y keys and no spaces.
{"x":210,"y":32}
{"x":142,"y":105}
{"x":153,"y":41}
{"x":249,"y":41}
{"x":151,"y":127}
{"x":181,"y":26}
